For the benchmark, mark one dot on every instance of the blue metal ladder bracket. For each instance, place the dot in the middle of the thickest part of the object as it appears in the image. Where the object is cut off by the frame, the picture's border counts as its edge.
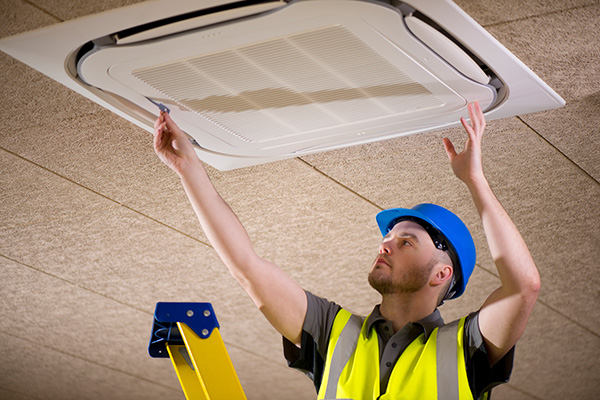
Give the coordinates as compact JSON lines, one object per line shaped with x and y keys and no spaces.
{"x":200,"y":317}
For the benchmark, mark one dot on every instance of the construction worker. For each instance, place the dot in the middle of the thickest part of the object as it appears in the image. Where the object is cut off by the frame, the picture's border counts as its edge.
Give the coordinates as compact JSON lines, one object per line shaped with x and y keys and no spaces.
{"x":403,"y":349}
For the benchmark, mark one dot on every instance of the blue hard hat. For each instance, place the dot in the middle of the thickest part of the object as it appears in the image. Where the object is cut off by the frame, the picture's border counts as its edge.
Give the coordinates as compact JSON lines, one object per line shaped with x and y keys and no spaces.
{"x":448,"y":233}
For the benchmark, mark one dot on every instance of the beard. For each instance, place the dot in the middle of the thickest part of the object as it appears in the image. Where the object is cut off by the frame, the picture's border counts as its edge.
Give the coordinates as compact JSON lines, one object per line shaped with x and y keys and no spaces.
{"x":413,"y":279}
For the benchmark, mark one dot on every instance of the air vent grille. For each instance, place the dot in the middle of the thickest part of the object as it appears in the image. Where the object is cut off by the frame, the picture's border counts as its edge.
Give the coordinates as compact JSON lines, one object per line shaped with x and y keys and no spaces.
{"x":290,"y":85}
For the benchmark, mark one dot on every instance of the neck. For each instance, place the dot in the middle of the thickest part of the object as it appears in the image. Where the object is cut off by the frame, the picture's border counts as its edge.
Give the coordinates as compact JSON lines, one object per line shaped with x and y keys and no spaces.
{"x":401,"y":309}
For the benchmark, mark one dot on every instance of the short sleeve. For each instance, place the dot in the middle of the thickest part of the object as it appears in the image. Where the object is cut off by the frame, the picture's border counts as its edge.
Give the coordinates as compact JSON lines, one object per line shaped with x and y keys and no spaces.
{"x":310,"y":357}
{"x":482,"y":376}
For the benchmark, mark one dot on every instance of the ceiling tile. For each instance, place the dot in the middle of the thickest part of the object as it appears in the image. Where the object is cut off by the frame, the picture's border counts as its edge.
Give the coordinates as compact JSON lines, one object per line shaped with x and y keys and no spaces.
{"x":574,"y":130}
{"x":30,"y":99}
{"x":43,"y":196}
{"x":549,"y":344}
{"x":76,"y":322}
{"x":512,"y":392}
{"x":109,"y":156}
{"x":19,"y":16}
{"x":118,"y":253}
{"x":11,"y":394}
{"x":563,"y":49}
{"x":65,"y":9}
{"x":488,"y":12}
{"x":30,"y":369}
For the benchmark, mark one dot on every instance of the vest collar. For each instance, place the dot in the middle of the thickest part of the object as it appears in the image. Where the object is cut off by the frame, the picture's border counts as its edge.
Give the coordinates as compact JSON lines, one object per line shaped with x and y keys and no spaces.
{"x":425,"y":325}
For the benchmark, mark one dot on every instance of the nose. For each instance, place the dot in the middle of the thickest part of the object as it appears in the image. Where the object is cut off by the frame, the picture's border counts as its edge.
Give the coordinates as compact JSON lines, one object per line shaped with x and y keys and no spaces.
{"x":385,"y":246}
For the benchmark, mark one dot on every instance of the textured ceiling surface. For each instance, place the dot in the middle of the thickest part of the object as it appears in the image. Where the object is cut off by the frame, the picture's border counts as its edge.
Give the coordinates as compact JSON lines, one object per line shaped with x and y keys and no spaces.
{"x":95,"y":230}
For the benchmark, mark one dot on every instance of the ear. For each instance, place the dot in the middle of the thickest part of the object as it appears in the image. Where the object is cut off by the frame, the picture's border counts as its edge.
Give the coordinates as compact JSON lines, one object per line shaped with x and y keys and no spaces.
{"x":443,"y":273}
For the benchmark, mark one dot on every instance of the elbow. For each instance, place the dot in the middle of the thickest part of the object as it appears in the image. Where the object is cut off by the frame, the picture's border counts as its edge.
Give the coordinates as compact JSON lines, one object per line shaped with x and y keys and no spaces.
{"x":531,"y":288}
{"x":535,"y":283}
{"x":246,"y":271}
{"x":532,"y":293}
{"x":525,"y":286}
{"x":536,"y":286}
{"x":242,"y":276}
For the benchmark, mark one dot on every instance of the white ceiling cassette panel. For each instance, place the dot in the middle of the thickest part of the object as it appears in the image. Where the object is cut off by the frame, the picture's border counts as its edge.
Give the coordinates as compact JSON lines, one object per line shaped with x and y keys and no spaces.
{"x":257,"y":81}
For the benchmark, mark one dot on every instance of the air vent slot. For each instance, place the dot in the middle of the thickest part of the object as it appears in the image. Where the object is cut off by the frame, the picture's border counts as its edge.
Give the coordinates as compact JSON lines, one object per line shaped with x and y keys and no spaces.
{"x":446,"y":49}
{"x":194,"y":20}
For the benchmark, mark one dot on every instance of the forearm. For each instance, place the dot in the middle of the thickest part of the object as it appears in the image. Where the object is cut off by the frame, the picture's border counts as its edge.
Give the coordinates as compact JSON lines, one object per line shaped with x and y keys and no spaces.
{"x":277,"y":295}
{"x":221,"y":226}
{"x":219,"y":223}
{"x":513,"y":260}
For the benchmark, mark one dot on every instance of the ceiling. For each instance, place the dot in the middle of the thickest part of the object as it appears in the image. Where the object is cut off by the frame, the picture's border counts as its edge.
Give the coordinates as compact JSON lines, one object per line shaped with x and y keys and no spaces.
{"x":95,"y":230}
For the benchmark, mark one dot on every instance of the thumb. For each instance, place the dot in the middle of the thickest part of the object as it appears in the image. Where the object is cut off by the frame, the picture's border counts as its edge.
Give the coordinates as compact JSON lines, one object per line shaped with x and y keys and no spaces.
{"x":450,"y":151}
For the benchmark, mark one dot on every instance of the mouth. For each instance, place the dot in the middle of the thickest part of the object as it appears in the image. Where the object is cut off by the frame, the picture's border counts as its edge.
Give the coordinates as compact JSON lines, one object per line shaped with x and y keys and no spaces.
{"x":381,"y":260}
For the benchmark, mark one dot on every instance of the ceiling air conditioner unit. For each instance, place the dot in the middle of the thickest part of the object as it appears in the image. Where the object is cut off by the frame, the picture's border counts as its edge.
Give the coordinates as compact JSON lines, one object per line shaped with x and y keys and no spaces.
{"x":257,"y":81}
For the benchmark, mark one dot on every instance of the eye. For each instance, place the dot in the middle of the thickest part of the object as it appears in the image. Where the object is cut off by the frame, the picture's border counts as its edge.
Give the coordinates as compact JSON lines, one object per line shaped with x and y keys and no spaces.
{"x":406,"y":243}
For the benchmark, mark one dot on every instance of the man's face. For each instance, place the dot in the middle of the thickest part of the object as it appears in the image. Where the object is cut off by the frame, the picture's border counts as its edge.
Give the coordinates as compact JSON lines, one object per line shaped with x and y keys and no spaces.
{"x":405,"y":260}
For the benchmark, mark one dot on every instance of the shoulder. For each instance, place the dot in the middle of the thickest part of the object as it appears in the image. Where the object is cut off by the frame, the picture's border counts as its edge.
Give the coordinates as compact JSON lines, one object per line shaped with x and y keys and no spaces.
{"x":472,"y":333}
{"x":310,"y":357}
{"x":320,"y":315}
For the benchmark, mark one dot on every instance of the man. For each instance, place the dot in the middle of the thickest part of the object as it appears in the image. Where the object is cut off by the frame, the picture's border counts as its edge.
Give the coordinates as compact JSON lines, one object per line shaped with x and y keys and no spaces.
{"x":402,"y":350}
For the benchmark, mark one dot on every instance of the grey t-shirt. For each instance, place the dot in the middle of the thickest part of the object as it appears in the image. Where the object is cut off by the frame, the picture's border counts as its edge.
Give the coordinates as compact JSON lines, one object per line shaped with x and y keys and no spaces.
{"x":310,"y":357}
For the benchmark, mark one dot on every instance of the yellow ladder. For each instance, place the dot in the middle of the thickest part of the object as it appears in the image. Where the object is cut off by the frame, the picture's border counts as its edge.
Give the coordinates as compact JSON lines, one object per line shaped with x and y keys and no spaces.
{"x":188,"y":333}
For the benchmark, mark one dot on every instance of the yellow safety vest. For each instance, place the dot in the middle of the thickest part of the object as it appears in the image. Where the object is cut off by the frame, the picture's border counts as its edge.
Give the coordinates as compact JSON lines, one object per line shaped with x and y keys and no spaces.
{"x":426,"y":370}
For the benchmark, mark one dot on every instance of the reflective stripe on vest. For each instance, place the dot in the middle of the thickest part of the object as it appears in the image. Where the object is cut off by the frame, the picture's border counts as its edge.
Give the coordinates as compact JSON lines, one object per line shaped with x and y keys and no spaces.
{"x":425,"y":370}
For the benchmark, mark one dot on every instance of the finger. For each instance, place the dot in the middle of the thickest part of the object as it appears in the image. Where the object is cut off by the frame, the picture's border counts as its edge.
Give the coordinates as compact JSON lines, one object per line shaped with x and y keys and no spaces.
{"x":479,"y":127}
{"x":170,"y":125}
{"x":477,"y":112}
{"x":168,"y":119}
{"x":471,"y":129}
{"x":157,"y":129}
{"x":473,"y":114}
{"x":157,"y":137}
{"x":466,"y":125}
{"x":450,"y":150}
{"x":482,"y":122}
{"x":158,"y":120}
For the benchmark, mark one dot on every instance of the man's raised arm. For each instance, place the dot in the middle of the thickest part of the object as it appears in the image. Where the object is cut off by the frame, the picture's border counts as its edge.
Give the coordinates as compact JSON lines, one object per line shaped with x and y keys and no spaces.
{"x":281,"y":299}
{"x":505,"y":313}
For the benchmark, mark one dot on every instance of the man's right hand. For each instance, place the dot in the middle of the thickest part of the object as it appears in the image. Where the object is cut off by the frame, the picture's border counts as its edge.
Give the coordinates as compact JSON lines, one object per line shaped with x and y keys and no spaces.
{"x":171,"y":144}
